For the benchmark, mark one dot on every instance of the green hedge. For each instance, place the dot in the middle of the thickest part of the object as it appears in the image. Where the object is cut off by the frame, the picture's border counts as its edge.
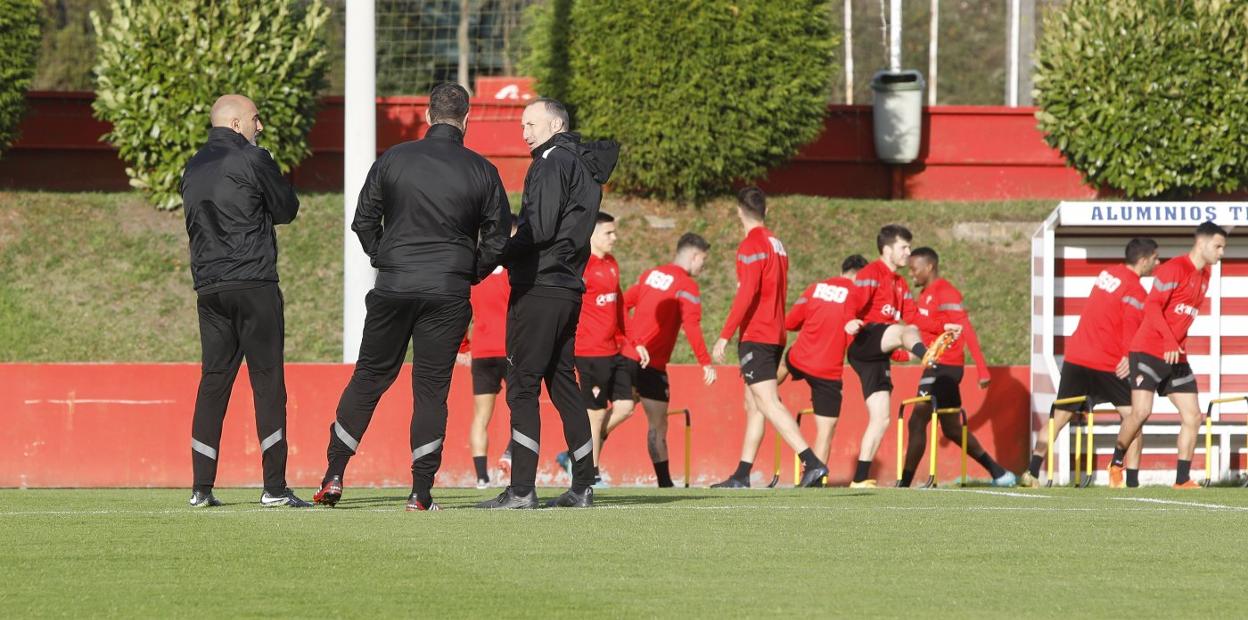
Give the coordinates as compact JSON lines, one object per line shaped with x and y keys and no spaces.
{"x":1148,"y":96}
{"x":158,"y":76}
{"x":698,"y":93}
{"x":19,"y":49}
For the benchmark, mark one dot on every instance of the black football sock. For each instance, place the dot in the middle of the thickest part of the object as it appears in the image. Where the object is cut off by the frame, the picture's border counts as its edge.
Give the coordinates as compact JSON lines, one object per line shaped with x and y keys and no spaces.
{"x":918,"y":349}
{"x":809,"y":459}
{"x":907,"y":477}
{"x":1034,"y":466}
{"x":664,"y":474}
{"x":994,"y":469}
{"x":743,"y":470}
{"x":862,"y":471}
{"x":1184,"y":472}
{"x":1119,"y":454}
{"x":479,"y":463}
{"x":1133,"y":478}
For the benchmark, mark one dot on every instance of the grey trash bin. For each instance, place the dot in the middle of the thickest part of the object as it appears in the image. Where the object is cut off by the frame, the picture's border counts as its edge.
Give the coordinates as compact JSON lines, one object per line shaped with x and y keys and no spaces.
{"x":897,"y":107}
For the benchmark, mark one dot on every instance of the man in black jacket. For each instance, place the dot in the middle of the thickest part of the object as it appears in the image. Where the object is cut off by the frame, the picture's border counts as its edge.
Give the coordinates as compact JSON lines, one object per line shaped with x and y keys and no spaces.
{"x":233,"y":194}
{"x":546,"y":259}
{"x":434,"y":218}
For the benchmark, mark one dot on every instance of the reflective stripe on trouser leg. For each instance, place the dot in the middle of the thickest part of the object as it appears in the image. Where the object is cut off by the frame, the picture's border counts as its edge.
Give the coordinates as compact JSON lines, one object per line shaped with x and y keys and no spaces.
{"x":525,"y":440}
{"x":345,"y":437}
{"x":426,"y":449}
{"x":271,"y":440}
{"x":582,"y":451}
{"x":203,"y":448}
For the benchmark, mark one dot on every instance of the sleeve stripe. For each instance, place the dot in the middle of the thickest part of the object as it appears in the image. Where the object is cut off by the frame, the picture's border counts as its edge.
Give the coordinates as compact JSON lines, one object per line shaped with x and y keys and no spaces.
{"x":751,"y":258}
{"x":1164,"y":286}
{"x":866,"y":282}
{"x":949,"y":307}
{"x":800,"y":300}
{"x":690,"y":297}
{"x":1133,"y":302}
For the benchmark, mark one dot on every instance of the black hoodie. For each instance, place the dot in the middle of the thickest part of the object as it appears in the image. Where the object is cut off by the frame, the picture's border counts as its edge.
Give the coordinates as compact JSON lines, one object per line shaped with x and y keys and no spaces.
{"x":562,"y":193}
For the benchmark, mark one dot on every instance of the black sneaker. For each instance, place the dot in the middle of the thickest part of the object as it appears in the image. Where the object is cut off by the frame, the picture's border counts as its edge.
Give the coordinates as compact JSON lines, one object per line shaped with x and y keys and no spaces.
{"x":732,"y":483}
{"x":202,"y":499}
{"x":330,"y":492}
{"x":508,"y":499}
{"x":813,"y":477}
{"x":415,"y":505}
{"x":572,"y":499}
{"x":285,"y":498}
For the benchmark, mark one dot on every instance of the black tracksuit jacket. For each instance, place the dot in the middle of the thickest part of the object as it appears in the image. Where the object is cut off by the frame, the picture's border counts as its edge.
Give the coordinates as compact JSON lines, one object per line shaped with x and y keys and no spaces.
{"x":433,"y":216}
{"x":562,"y":193}
{"x":233,"y":194}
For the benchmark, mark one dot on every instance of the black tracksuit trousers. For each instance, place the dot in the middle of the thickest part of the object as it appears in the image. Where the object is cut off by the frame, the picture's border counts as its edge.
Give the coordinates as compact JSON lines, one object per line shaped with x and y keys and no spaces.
{"x":235,"y":323}
{"x":435,"y":325}
{"x":541,"y":336}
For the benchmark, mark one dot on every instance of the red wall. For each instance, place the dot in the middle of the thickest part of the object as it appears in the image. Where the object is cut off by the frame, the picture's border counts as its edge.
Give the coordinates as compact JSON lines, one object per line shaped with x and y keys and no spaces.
{"x":968,"y":152}
{"x":91,"y":425}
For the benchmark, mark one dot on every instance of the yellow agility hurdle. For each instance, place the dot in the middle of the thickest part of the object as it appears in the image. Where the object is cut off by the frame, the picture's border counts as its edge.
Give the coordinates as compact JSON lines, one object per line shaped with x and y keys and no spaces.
{"x":1209,"y":434}
{"x":901,"y":430}
{"x":1082,"y":401}
{"x":688,"y":442}
{"x":931,"y":457}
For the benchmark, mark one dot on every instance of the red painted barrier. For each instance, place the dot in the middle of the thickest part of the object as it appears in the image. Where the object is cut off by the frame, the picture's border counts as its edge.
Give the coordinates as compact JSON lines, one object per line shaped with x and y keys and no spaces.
{"x":128,"y":425}
{"x":968,"y":152}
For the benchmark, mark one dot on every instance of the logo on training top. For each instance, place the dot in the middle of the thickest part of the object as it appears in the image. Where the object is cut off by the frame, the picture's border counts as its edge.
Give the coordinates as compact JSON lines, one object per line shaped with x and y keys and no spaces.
{"x":777,"y":246}
{"x":828,"y":292}
{"x":1186,"y":309}
{"x":605,"y":298}
{"x":1107,"y":282}
{"x":889,"y":310}
{"x":659,"y":280}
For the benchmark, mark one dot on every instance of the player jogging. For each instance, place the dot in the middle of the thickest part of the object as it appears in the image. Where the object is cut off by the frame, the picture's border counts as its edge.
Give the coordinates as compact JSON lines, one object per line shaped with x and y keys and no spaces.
{"x":1158,"y":358}
{"x":818,"y":355}
{"x":1096,"y":365}
{"x":758,"y":309}
{"x":939,"y":309}
{"x":881,"y":298}
{"x":663,"y":300}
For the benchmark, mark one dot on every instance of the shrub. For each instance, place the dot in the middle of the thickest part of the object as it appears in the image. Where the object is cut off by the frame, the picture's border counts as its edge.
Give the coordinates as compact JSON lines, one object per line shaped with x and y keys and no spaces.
{"x":1147,"y":96}
{"x":19,"y":49}
{"x":158,"y":77}
{"x":699,"y":94}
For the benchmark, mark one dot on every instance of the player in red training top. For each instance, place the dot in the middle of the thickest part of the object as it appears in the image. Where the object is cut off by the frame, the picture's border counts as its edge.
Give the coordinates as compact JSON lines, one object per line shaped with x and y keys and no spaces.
{"x":600,"y":369}
{"x":939,"y":309}
{"x":663,"y":300}
{"x":758,"y":309}
{"x":485,"y":350}
{"x":1158,"y":359}
{"x":879,"y":300}
{"x":1096,"y":354}
{"x":818,"y":355}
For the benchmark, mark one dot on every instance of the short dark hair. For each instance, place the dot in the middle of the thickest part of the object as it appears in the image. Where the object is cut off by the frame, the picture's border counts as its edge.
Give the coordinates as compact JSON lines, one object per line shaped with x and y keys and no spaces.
{"x":603,"y":217}
{"x":692,"y":240}
{"x":1209,"y":229}
{"x":753,"y":201}
{"x":853,"y":262}
{"x":1138,"y":248}
{"x":555,"y":108}
{"x":927,"y":254}
{"x":889,"y":234}
{"x":448,"y":103}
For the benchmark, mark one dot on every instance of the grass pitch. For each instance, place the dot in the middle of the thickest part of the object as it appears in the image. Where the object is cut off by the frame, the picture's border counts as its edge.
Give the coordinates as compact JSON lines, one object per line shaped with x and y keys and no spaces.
{"x":951,"y":553}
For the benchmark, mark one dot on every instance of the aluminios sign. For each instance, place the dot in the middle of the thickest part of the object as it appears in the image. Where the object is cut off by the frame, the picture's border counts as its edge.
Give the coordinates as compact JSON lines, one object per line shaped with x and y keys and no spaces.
{"x":1152,"y":213}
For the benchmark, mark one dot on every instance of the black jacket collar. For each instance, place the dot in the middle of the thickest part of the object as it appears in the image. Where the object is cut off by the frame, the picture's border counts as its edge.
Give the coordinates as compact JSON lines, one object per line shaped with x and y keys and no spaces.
{"x":445,"y":132}
{"x":226,"y":135}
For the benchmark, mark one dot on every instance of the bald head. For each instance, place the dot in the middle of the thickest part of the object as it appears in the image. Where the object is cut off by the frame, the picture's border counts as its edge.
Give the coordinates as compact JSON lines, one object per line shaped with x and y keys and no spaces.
{"x":239,"y":114}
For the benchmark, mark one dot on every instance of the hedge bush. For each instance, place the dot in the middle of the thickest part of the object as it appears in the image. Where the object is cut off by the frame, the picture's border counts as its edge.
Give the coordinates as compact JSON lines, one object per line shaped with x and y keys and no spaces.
{"x":1147,"y":96}
{"x":19,"y":50}
{"x":158,"y":75}
{"x":699,"y":94}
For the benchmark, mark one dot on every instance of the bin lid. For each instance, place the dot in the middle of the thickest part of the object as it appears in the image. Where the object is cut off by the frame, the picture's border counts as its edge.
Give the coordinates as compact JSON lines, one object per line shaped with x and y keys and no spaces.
{"x":892,"y":81}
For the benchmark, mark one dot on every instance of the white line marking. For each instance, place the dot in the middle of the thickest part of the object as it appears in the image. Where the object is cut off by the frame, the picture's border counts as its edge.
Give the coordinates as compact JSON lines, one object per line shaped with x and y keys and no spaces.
{"x":97,"y":401}
{"x":1178,"y":503}
{"x":986,"y":492}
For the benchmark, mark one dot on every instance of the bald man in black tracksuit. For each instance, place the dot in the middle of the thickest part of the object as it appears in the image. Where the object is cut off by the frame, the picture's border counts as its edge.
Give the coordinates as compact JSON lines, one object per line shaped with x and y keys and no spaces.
{"x":434,"y":217}
{"x":546,"y":259}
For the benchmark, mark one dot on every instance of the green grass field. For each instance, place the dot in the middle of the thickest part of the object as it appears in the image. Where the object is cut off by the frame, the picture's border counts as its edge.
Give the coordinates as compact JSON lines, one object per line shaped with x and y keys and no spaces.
{"x":831,"y":552}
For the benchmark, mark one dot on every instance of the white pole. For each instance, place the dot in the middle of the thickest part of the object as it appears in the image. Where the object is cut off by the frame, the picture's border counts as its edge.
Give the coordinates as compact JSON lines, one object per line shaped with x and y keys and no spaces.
{"x":931,"y":53}
{"x":1015,"y":27}
{"x":894,"y":36}
{"x":359,"y":149}
{"x":849,"y":52}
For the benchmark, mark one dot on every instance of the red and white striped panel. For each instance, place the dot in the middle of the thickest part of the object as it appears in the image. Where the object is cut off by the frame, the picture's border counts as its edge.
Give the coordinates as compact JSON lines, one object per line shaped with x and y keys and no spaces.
{"x":1217,"y":344}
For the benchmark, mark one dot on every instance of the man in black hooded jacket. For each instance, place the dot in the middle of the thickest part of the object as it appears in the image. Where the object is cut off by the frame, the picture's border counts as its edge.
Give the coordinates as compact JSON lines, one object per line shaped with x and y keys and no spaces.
{"x":233,"y":195}
{"x":546,"y":259}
